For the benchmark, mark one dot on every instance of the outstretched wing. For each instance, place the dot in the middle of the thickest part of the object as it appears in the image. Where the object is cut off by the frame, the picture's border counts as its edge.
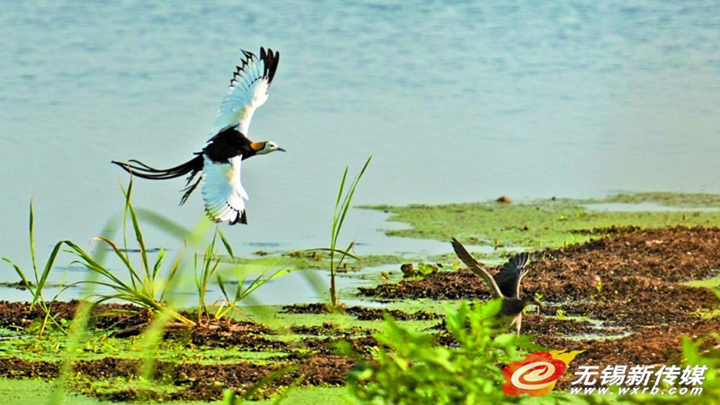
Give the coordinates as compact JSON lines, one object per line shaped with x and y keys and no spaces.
{"x":508,"y":279}
{"x":248,"y":90}
{"x":476,"y":267}
{"x":222,"y":191}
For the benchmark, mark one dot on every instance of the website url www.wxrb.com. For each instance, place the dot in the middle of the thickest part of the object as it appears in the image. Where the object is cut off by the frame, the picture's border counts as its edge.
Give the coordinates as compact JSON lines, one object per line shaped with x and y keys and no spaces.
{"x":636,"y":391}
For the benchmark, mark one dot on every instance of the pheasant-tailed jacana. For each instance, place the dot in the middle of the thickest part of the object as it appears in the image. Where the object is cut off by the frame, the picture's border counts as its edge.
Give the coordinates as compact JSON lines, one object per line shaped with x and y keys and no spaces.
{"x":505,"y":284}
{"x":228,"y":145}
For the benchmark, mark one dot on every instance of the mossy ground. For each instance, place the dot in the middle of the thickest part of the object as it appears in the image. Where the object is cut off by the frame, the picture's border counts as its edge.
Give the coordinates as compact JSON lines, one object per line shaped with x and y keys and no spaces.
{"x":35,"y":391}
{"x":548,"y":222}
{"x":24,"y":392}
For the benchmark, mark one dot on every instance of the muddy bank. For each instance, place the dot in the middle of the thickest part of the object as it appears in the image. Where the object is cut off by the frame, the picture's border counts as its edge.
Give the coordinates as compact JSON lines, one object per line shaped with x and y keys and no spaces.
{"x":15,"y":315}
{"x":627,"y":278}
{"x":618,"y":298}
{"x":187,"y":381}
{"x":361,"y":313}
{"x":623,"y":286}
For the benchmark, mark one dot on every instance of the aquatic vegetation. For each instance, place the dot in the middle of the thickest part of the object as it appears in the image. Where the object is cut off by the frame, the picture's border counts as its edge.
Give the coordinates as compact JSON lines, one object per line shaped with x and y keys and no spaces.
{"x":147,"y":283}
{"x":146,"y":286}
{"x":210,"y":264}
{"x":423,"y":270}
{"x":40,"y":278}
{"x":231,"y":397}
{"x":549,"y":222}
{"x":411,"y":368}
{"x":342,"y":205}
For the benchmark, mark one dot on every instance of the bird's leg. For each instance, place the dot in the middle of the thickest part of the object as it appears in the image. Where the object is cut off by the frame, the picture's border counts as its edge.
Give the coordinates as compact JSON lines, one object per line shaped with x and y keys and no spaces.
{"x":518,"y":322}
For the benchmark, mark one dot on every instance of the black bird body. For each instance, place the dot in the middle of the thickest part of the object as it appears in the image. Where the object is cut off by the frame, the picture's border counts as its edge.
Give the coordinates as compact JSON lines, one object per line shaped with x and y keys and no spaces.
{"x":505,"y":284}
{"x":229,"y":143}
{"x":220,"y":159}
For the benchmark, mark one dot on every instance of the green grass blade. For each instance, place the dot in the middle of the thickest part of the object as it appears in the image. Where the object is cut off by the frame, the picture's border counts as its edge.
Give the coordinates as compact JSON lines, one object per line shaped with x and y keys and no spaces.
{"x":48,"y":268}
{"x":139,"y":238}
{"x":171,"y":275}
{"x":107,"y":231}
{"x":342,"y":252}
{"x":21,"y":273}
{"x":32,"y":240}
{"x":221,"y":284}
{"x":345,"y":206}
{"x":136,"y":227}
{"x":260,"y":281}
{"x":125,"y":211}
{"x":91,"y":264}
{"x":346,"y":253}
{"x":335,"y":226}
{"x":134,"y":276}
{"x":228,"y":248}
{"x":158,"y":263}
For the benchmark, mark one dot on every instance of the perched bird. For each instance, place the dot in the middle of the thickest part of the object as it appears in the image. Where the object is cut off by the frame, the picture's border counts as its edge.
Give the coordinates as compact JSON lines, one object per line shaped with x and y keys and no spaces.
{"x":228,"y":145}
{"x":505,"y":284}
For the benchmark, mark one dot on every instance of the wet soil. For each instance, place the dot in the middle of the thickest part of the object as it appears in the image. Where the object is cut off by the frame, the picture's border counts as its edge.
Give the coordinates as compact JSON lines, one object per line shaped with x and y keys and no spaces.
{"x":14,"y":315}
{"x":227,"y":333}
{"x":540,"y":324}
{"x":314,"y":358}
{"x":327,"y":329}
{"x":628,"y":277}
{"x":361,"y":313}
{"x":621,"y":291}
{"x":623,"y":286}
{"x":189,"y":381}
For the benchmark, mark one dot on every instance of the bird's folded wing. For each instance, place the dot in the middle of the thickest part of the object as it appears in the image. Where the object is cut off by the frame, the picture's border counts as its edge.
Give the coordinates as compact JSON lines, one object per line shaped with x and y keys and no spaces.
{"x":222,"y":191}
{"x":508,"y":279}
{"x":248,"y":90}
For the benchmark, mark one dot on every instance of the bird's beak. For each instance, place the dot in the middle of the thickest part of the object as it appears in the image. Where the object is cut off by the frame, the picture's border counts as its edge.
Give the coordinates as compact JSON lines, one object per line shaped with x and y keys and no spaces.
{"x":281,"y":149}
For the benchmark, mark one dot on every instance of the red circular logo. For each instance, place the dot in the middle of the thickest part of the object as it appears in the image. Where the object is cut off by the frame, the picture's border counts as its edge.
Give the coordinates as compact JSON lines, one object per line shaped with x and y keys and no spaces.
{"x":535,"y":375}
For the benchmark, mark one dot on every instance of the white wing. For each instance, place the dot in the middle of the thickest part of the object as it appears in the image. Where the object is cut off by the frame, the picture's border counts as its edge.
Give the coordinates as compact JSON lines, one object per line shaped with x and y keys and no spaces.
{"x":223,"y":194}
{"x":248,"y":90}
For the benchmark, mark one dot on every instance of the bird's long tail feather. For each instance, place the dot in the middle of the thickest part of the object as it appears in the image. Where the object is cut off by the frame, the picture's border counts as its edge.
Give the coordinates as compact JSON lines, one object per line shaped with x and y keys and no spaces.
{"x":192,"y":167}
{"x":140,"y":169}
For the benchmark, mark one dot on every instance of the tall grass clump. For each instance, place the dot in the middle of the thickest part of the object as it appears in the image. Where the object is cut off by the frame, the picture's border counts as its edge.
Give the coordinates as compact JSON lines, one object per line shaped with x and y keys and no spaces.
{"x":208,"y":266}
{"x":37,"y":285}
{"x":145,"y":287}
{"x":342,"y":205}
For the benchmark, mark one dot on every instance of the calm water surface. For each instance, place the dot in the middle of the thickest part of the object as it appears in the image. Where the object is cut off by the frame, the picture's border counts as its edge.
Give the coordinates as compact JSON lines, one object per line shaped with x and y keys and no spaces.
{"x":455,"y":101}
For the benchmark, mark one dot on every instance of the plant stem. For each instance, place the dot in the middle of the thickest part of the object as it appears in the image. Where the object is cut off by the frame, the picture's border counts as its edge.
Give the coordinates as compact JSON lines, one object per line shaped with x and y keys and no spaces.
{"x":342,"y":205}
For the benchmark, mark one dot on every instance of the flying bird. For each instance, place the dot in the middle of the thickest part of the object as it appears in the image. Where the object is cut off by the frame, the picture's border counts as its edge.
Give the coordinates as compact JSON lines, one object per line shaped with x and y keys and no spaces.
{"x":220,"y":160}
{"x":505,"y":284}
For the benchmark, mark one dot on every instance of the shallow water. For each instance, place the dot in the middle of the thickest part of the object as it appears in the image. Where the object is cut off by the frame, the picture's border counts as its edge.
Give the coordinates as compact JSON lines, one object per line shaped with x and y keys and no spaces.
{"x":645,"y":207}
{"x":455,"y":101}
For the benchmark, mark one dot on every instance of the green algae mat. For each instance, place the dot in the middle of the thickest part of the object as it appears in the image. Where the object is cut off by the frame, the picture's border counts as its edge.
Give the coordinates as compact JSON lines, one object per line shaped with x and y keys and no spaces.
{"x":550,"y":222}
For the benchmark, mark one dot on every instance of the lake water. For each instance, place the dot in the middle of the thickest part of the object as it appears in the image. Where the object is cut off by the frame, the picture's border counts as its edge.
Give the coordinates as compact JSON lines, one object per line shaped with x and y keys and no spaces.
{"x":456,"y":101}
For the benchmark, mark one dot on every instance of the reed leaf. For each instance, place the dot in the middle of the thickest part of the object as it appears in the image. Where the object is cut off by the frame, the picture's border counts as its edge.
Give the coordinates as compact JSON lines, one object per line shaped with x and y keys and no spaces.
{"x":342,"y":206}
